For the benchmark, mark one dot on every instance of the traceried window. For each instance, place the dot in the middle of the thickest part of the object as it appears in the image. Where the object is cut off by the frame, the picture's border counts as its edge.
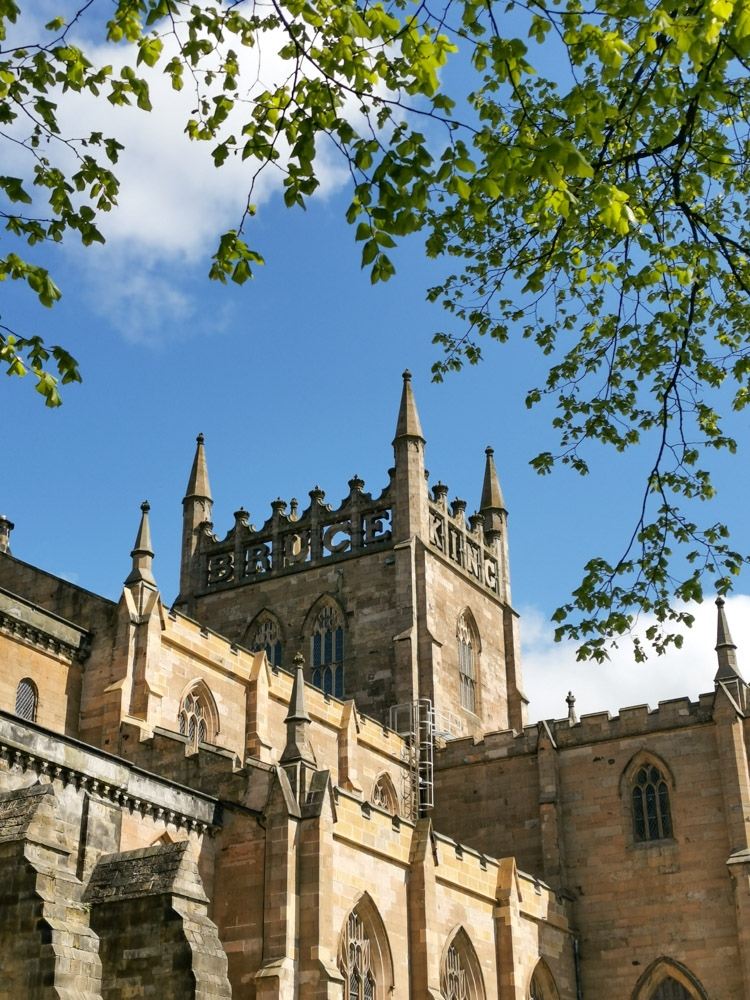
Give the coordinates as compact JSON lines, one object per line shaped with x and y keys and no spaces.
{"x":355,"y":962}
{"x":267,"y":636}
{"x":26,"y":699}
{"x":466,"y":662}
{"x":670,"y":989}
{"x":194,"y":718}
{"x":453,"y":980}
{"x":652,"y":819}
{"x":384,"y":794}
{"x":542,"y":985}
{"x":328,"y":652}
{"x":535,"y":989}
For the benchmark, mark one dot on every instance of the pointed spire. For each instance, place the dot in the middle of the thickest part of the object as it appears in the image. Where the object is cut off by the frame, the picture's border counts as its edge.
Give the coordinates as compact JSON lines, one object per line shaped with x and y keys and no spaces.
{"x":198,"y":485}
{"x":142,"y":553}
{"x":492,"y":496}
{"x":726,"y":650}
{"x":298,"y":720}
{"x":408,"y":419}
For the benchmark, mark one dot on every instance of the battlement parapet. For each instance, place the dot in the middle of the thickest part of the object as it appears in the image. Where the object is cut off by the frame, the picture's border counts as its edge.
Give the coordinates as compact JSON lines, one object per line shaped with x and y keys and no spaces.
{"x":290,"y":542}
{"x":598,"y":727}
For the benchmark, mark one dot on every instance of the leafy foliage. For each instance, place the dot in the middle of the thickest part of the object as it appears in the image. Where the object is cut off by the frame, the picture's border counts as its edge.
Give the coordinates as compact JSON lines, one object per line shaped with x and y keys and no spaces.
{"x":592,"y":188}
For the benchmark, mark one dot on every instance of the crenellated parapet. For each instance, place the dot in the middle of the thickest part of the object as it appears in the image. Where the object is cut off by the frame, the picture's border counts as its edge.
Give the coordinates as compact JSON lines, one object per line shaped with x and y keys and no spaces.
{"x":289,"y":541}
{"x":598,"y":727}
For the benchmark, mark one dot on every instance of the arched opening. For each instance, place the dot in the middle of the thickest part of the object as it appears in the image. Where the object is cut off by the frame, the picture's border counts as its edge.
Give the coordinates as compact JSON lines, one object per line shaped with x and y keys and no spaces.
{"x":264,"y":634}
{"x":460,"y":973}
{"x":647,"y":785}
{"x":27,"y":699}
{"x":384,"y":794}
{"x":667,"y":979}
{"x":198,"y":717}
{"x":542,"y":985}
{"x":467,"y":638}
{"x":325,"y":627}
{"x":365,"y":957}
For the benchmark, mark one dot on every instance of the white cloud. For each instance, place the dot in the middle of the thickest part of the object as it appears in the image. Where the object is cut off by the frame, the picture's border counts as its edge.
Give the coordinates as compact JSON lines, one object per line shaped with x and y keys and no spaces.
{"x":550,"y":669}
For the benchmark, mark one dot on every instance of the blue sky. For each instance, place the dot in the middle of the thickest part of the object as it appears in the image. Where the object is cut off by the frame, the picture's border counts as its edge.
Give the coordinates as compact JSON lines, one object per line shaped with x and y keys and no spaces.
{"x":294,"y":380}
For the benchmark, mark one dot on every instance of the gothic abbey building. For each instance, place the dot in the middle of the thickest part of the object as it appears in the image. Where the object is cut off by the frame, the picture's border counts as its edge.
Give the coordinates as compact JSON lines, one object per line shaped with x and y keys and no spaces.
{"x":314,"y":778}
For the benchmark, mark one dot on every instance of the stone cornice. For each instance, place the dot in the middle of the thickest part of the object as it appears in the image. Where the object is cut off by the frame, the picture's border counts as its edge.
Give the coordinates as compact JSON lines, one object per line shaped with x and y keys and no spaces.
{"x":32,"y":624}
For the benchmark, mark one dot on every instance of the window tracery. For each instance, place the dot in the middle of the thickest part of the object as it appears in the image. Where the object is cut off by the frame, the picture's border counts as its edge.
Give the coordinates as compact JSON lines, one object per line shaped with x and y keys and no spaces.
{"x":26,"y":699}
{"x":328,"y":651}
{"x":467,"y":645}
{"x":454,"y":981}
{"x":267,"y":637}
{"x":652,"y":818}
{"x":384,"y":794}
{"x":198,"y":718}
{"x":356,"y":961}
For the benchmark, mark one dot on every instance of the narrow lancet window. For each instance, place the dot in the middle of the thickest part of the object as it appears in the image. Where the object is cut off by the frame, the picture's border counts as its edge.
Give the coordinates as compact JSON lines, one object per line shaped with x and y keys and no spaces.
{"x":652,"y":819}
{"x":466,"y":663}
{"x":26,"y":700}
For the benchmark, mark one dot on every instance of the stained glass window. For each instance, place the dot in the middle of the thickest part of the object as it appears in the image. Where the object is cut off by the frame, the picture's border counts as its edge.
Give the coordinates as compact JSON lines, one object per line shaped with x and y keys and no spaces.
{"x":652,"y":819}
{"x":328,"y":652}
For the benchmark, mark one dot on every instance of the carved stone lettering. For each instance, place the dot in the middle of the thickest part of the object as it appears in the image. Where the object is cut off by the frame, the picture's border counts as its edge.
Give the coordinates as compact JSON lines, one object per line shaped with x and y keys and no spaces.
{"x":343,"y":528}
{"x":296,"y":548}
{"x":472,"y":560}
{"x":258,"y":559}
{"x":220,"y":568}
{"x":455,"y":542}
{"x":437,"y":533}
{"x":376,"y":528}
{"x":490,"y":574}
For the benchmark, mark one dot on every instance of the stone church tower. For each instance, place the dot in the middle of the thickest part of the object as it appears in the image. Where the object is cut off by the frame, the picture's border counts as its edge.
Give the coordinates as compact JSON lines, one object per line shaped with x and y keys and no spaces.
{"x":394,"y":599}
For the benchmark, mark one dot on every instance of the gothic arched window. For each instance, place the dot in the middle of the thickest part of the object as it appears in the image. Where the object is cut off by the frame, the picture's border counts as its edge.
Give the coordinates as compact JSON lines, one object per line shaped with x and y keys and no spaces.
{"x":652,"y":819}
{"x":453,"y":980}
{"x":328,"y":651}
{"x":266,"y":635}
{"x":542,"y":985}
{"x":467,"y":654}
{"x":384,"y":794}
{"x":356,"y":961}
{"x":670,"y":989}
{"x":460,"y":973}
{"x":26,"y":699}
{"x":198,"y":718}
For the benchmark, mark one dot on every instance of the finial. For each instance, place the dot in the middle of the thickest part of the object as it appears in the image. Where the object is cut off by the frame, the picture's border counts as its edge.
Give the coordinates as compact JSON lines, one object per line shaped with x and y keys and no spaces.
{"x":6,"y":527}
{"x":142,"y":553}
{"x":406,"y":375}
{"x":298,"y":720}
{"x":570,"y":701}
{"x":726,"y":651}
{"x":198,"y":485}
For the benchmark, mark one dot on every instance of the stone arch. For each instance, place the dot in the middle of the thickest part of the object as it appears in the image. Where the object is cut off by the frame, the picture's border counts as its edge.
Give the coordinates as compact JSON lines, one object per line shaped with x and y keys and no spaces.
{"x":364,"y":950}
{"x":542,"y":984}
{"x":265,"y":632}
{"x":198,"y":716}
{"x":668,"y":979}
{"x":27,"y":699}
{"x":469,"y":645}
{"x":646,"y":788}
{"x":460,"y":971}
{"x":324,"y":633}
{"x":384,"y":793}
